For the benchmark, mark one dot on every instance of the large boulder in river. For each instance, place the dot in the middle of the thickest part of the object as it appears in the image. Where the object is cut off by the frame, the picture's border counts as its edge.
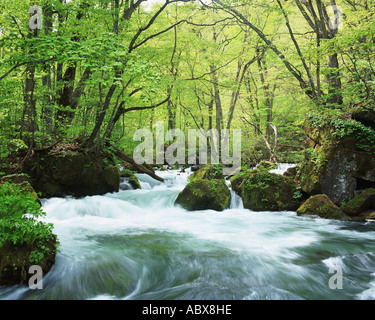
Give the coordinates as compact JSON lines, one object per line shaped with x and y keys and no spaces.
{"x":203,"y":194}
{"x":340,"y":159}
{"x":361,"y":206}
{"x":320,"y":205}
{"x":209,"y":171}
{"x":72,"y":172}
{"x":261,"y":190}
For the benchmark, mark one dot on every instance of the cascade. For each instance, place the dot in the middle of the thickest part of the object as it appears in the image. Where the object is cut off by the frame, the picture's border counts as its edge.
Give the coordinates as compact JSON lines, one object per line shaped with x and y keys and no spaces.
{"x":136,"y":244}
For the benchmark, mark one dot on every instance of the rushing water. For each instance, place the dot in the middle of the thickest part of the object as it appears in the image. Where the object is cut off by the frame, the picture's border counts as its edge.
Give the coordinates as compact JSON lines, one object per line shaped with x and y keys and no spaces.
{"x":135,"y":244}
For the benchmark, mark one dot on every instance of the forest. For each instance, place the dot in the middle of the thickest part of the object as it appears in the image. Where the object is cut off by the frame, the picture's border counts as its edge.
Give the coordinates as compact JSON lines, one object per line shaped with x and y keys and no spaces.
{"x":97,"y":71}
{"x":80,"y":79}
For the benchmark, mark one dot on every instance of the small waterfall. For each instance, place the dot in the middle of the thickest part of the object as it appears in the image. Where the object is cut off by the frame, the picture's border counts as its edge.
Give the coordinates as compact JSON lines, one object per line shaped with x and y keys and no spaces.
{"x":235,"y":201}
{"x":282,"y":167}
{"x":125,"y":184}
{"x":147,"y":182}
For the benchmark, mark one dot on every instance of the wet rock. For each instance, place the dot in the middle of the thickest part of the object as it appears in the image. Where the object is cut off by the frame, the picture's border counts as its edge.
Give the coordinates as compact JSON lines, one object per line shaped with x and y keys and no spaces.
{"x":291,"y":172}
{"x":131,"y":178}
{"x":209,"y":171}
{"x":195,"y":168}
{"x":206,"y":194}
{"x":264,"y":191}
{"x":340,"y":160}
{"x":15,"y":261}
{"x":267,"y":165}
{"x":60,"y":173}
{"x":361,"y":206}
{"x":322,"y":206}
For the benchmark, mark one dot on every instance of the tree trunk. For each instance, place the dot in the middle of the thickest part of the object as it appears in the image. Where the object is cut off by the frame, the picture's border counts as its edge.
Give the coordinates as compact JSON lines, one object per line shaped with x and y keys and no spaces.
{"x":334,"y":81}
{"x":29,"y":109}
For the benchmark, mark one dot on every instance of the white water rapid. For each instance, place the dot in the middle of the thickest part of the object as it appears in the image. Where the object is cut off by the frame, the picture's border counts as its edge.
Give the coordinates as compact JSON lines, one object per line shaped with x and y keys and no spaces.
{"x":136,"y":244}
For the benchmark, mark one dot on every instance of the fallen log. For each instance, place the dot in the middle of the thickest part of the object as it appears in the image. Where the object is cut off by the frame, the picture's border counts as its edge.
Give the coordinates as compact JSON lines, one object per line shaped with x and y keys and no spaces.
{"x":140,"y":167}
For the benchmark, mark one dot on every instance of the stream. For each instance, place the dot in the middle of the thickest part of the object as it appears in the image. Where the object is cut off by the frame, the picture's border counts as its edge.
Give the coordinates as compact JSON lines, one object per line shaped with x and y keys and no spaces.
{"x":137,"y":245}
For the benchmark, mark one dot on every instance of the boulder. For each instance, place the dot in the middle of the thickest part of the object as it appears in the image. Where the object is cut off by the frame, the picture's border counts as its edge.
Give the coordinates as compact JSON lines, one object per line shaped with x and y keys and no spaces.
{"x":133,"y":180}
{"x":264,"y":191}
{"x":365,"y":115}
{"x":15,"y":261}
{"x":195,"y":168}
{"x":340,"y":159}
{"x":59,"y":173}
{"x":361,"y":206}
{"x":267,"y":165}
{"x":291,"y":172}
{"x":322,"y":206}
{"x":208,"y":171}
{"x":203,"y":194}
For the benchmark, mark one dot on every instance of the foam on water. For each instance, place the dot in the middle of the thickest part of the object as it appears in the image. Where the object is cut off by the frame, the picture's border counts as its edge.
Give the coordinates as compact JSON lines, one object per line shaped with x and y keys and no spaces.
{"x":136,"y":244}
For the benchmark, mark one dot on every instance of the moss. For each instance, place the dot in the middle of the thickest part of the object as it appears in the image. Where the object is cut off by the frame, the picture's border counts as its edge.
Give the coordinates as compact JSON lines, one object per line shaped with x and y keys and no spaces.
{"x":340,"y":149}
{"x":267,"y":165}
{"x":238,"y":180}
{"x":323,"y":207}
{"x":126,"y":173}
{"x":209,"y":171}
{"x":62,"y":172}
{"x":360,"y":203}
{"x":133,"y":180}
{"x":261,"y":191}
{"x":15,"y":261}
{"x":206,"y":194}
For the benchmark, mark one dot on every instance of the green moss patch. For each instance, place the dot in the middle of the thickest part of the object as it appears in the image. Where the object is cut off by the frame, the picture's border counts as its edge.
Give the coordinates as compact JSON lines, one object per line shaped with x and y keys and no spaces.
{"x":202,"y":194}
{"x":261,"y":190}
{"x":360,"y":203}
{"x":320,"y":205}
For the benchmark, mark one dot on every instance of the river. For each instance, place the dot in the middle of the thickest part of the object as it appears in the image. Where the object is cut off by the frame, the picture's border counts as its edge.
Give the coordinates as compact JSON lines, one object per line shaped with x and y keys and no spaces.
{"x":135,"y":244}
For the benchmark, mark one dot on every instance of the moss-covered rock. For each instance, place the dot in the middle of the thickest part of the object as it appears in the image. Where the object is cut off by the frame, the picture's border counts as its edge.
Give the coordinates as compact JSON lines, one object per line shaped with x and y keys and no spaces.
{"x":361,"y":204}
{"x":365,"y":115}
{"x":340,"y":158}
{"x":133,"y":180}
{"x":15,"y":261}
{"x":203,"y":194}
{"x":64,"y":172}
{"x":209,"y":171}
{"x":264,"y":191}
{"x":291,"y":172}
{"x":237,"y":181}
{"x":322,"y":206}
{"x":267,"y":165}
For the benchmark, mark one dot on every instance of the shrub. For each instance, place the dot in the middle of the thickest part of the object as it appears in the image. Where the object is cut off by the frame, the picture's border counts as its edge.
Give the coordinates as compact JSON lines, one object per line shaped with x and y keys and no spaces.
{"x":19,"y":224}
